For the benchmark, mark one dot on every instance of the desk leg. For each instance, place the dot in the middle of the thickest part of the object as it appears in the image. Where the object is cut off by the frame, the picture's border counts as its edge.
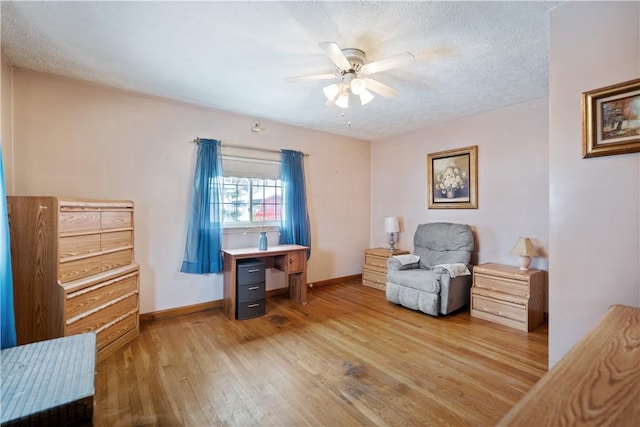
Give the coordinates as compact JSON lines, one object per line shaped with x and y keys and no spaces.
{"x":229,"y":282}
{"x":298,"y":287}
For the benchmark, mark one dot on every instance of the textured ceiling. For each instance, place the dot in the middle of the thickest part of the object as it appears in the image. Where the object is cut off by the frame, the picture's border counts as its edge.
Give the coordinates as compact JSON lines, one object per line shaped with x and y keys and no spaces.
{"x":470,"y":57}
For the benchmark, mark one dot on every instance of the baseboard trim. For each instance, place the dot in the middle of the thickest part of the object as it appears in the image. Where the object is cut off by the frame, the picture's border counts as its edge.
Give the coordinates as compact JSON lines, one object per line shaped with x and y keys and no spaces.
{"x":189,"y":309}
{"x":179,"y":311}
{"x":335,"y":281}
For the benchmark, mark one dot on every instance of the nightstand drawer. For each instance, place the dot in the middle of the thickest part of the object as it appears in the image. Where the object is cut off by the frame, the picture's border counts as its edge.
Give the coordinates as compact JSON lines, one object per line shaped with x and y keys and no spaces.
{"x":507,"y":295}
{"x":377,"y":261}
{"x":501,"y":284}
{"x":498,"y":311}
{"x":374,"y":270}
{"x":373,"y":276}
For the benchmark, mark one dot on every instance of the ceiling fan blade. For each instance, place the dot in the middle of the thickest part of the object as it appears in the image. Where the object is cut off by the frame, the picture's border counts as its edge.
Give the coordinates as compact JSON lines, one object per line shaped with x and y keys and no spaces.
{"x":326,"y":76}
{"x":394,"y":61}
{"x":334,"y":53}
{"x":380,"y":88}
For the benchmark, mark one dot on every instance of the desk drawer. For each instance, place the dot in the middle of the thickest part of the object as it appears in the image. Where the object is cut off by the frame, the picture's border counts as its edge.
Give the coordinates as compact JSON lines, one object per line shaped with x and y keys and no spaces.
{"x":248,"y":310}
{"x":251,"y":292}
{"x":250,"y":271}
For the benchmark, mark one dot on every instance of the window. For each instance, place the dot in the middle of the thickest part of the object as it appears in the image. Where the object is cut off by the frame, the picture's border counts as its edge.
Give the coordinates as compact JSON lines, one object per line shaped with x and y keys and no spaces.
{"x":252,"y":190}
{"x":251,"y":201}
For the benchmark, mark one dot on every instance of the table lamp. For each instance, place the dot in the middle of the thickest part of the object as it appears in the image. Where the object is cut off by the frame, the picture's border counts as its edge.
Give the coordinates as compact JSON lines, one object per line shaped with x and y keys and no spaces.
{"x":391,"y":226}
{"x":525,"y":249}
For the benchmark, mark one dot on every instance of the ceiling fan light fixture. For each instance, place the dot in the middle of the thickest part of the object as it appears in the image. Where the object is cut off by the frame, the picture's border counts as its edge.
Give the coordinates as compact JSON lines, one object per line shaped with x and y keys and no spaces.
{"x":343,"y":100}
{"x":358,"y":86}
{"x":331,"y":92}
{"x":365,"y":97}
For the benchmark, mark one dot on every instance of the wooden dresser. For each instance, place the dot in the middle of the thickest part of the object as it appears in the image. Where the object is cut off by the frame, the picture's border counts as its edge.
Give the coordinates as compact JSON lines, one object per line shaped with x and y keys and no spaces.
{"x":374,"y":270}
{"x":507,"y":295}
{"x":73,"y":270}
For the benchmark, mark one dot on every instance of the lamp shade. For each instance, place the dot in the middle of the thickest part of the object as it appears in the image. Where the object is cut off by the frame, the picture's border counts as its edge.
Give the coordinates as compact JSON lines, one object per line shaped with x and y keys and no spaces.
{"x":524,"y":247}
{"x":331,"y":92}
{"x":365,"y":97}
{"x":391,"y":224}
{"x":343,"y":100}
{"x":358,"y":86}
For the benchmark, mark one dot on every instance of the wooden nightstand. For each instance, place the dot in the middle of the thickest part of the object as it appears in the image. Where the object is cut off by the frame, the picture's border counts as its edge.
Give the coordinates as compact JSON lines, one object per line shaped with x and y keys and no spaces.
{"x":374,"y":270}
{"x":507,"y":295}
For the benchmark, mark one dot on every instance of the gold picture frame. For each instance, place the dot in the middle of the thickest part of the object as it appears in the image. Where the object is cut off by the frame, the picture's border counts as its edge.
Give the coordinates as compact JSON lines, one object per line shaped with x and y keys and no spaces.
{"x":452,"y":178}
{"x":611,"y":120}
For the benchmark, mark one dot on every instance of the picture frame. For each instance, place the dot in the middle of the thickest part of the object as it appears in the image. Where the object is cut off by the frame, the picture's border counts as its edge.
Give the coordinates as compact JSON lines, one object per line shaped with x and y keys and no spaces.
{"x":611,"y":120}
{"x":452,"y":178}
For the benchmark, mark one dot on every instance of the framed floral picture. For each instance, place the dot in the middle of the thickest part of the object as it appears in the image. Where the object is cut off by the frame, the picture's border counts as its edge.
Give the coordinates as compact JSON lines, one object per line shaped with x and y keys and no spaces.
{"x":611,"y":120}
{"x":452,"y":177}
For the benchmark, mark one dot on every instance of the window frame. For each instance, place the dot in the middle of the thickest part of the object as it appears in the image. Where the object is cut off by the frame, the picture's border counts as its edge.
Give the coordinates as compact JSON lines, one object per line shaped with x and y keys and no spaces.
{"x":256,"y":180}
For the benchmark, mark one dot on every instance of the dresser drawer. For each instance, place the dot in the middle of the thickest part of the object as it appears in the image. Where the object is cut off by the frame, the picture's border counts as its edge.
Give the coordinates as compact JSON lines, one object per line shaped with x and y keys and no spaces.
{"x":100,"y":294}
{"x":116,"y":259}
{"x":251,"y":292}
{"x":91,"y":321}
{"x":71,"y":246}
{"x":116,"y":239}
{"x":78,"y":221}
{"x":110,"y":332}
{"x":501,"y":284}
{"x":77,"y":269}
{"x":247,"y":310}
{"x":250,"y":271}
{"x":116,"y":219}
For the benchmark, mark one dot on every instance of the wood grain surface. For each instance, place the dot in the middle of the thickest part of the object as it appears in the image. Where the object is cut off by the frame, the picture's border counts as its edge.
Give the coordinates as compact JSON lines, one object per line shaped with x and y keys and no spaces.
{"x":348,"y":357}
{"x":597,"y":383}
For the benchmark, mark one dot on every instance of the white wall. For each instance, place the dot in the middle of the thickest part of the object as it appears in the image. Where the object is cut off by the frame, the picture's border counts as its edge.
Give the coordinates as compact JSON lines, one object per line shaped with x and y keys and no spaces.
{"x":594,"y":208}
{"x":79,"y":140}
{"x":512,"y":180}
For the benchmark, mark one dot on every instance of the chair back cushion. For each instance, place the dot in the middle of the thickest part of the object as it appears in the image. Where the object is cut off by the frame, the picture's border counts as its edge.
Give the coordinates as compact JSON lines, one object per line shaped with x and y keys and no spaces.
{"x":443,"y":243}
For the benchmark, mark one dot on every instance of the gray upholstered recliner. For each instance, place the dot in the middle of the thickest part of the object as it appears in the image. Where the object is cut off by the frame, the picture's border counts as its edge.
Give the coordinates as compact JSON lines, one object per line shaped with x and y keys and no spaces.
{"x":427,"y":284}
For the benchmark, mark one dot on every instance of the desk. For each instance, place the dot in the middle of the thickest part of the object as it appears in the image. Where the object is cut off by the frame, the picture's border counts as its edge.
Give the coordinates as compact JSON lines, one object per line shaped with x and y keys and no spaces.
{"x":596,"y":383}
{"x":49,"y":382}
{"x":291,"y":259}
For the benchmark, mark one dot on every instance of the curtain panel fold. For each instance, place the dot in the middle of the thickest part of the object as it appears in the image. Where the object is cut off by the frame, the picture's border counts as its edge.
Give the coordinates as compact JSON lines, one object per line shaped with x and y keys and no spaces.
{"x":294,"y":226}
{"x":7,"y":318}
{"x":204,"y":236}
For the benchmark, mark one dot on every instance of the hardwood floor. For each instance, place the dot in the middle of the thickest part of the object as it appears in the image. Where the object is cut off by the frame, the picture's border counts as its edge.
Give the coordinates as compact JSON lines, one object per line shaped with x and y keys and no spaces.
{"x":347,"y":358}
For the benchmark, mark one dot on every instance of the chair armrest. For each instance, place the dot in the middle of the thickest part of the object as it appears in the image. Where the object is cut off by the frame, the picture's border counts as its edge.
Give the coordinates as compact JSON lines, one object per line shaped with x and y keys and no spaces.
{"x":393,"y":264}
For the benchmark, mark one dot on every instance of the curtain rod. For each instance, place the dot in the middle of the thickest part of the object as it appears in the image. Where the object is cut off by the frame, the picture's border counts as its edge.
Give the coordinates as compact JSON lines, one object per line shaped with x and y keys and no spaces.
{"x":197,"y":141}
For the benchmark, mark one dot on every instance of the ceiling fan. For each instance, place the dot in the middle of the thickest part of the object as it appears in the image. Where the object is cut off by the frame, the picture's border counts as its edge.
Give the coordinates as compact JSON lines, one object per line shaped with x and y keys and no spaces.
{"x":351,"y":68}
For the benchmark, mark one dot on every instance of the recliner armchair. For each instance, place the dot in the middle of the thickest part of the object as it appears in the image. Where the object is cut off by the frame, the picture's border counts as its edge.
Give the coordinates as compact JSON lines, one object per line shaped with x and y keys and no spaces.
{"x":440,"y":280}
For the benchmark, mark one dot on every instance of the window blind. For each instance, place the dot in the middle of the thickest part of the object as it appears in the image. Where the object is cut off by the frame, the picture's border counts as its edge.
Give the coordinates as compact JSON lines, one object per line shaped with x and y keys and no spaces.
{"x":236,"y":162}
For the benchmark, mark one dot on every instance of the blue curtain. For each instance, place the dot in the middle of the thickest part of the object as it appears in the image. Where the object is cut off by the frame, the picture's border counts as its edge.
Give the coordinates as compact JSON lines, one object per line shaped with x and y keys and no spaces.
{"x":294,"y":227}
{"x":204,"y":236}
{"x":7,"y":319}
